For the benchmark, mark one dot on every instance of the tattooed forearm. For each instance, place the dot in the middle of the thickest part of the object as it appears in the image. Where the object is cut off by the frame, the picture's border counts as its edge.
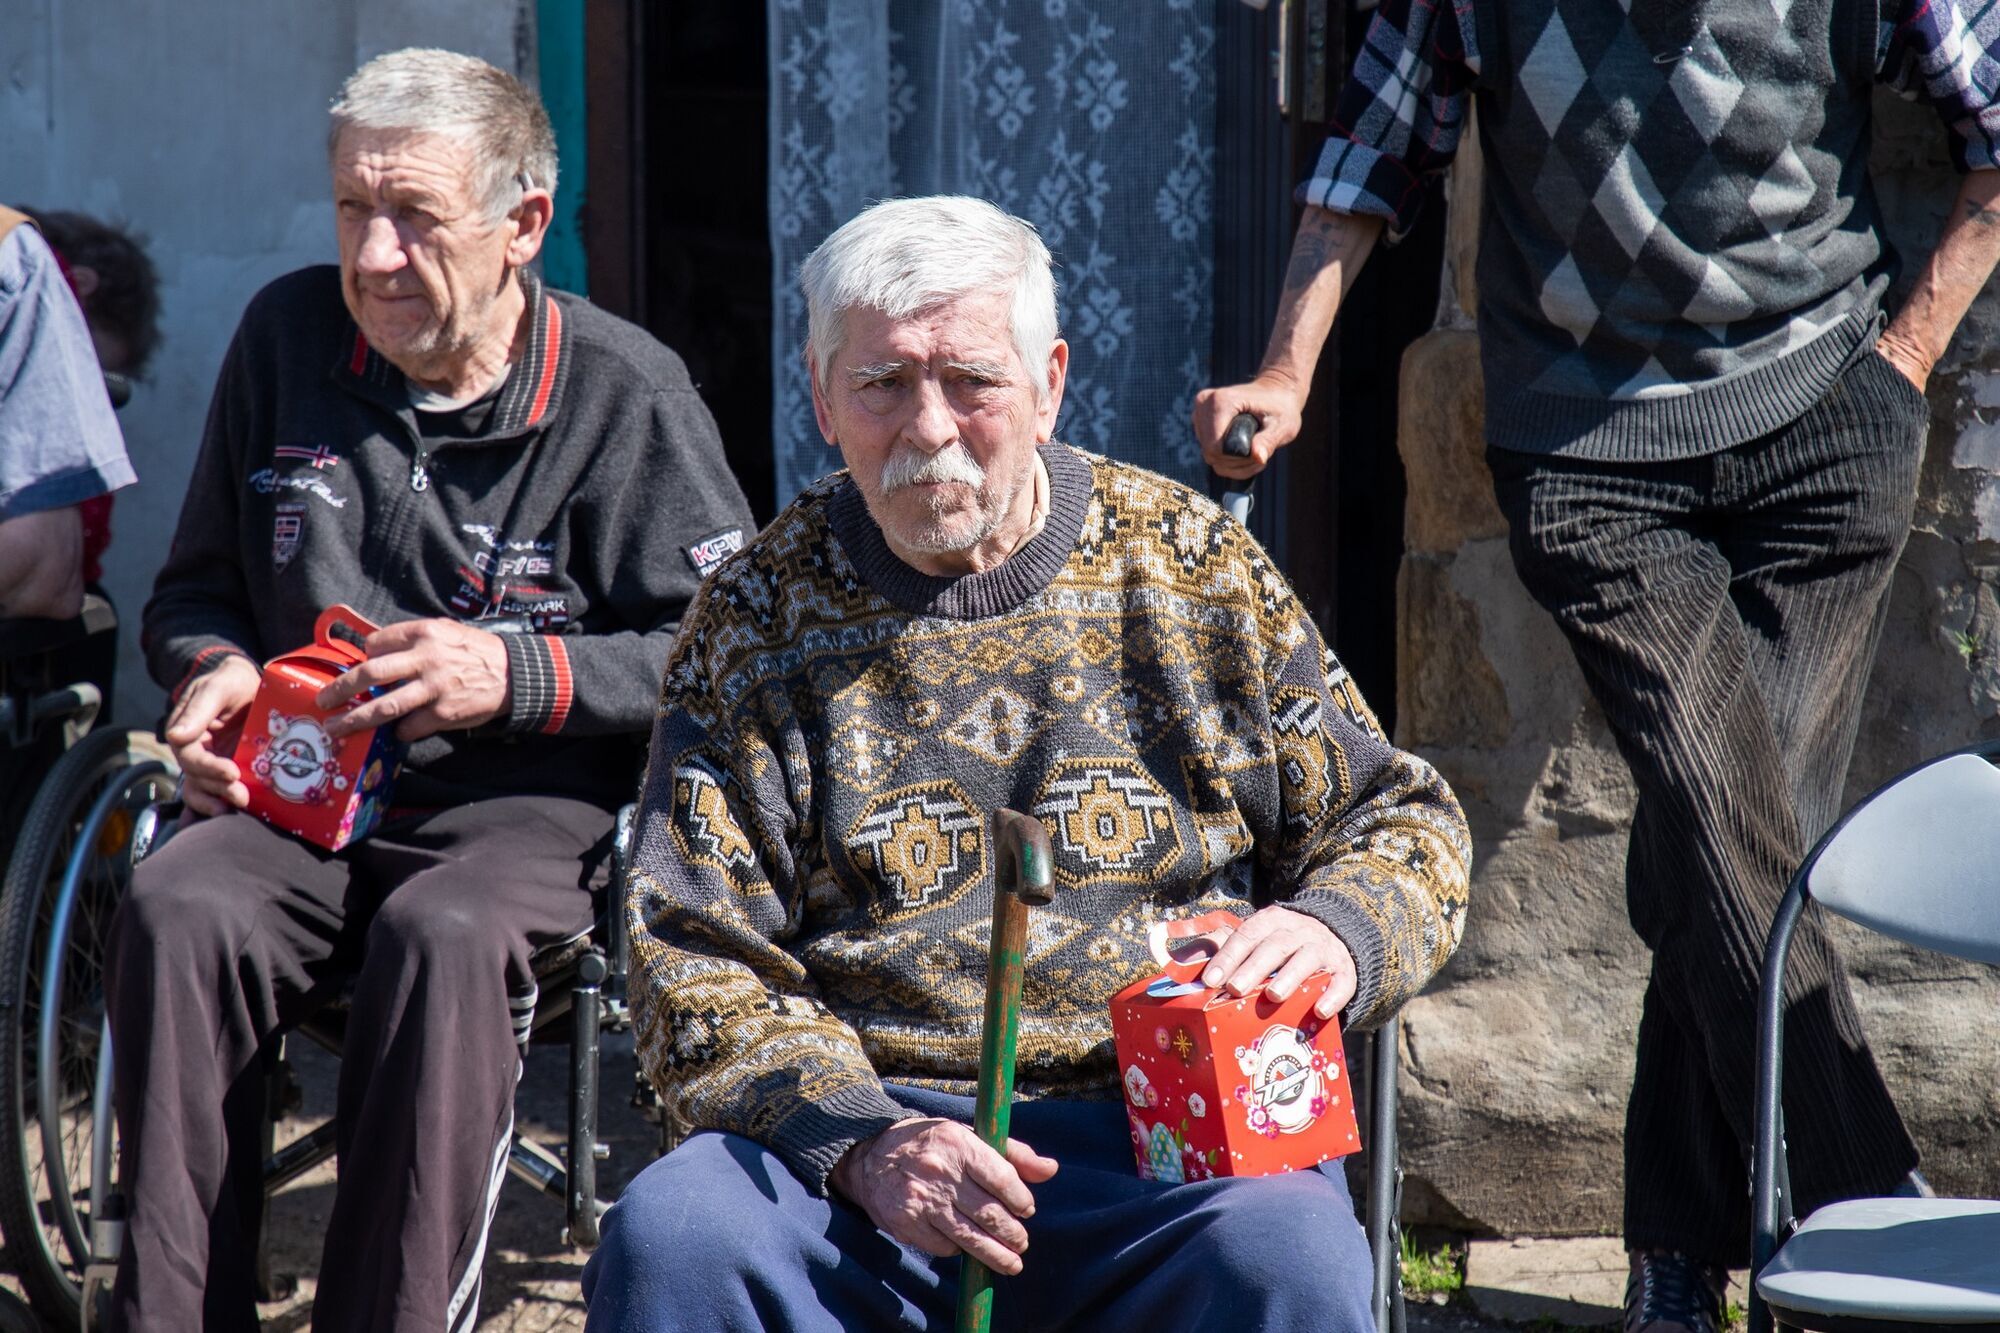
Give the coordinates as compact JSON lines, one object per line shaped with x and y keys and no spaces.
{"x":1985,"y":212}
{"x":1321,"y":237}
{"x":1327,"y":253}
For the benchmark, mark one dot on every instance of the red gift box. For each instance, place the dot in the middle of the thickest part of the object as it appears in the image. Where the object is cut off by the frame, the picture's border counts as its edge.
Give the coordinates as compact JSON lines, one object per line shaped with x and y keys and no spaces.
{"x":1221,"y":1086}
{"x":331,"y":792}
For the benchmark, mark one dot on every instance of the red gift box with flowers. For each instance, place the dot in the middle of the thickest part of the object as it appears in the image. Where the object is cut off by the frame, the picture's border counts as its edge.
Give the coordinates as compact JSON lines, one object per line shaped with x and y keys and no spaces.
{"x":328,"y":791}
{"x":1221,"y":1086}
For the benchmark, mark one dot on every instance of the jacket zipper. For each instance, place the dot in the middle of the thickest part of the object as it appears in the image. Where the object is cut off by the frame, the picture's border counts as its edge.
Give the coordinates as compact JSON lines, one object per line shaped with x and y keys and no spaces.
{"x":420,"y":477}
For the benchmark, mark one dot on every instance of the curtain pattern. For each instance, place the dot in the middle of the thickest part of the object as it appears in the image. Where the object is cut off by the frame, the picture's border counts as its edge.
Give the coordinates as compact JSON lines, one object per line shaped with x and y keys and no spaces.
{"x":1096,"y":122}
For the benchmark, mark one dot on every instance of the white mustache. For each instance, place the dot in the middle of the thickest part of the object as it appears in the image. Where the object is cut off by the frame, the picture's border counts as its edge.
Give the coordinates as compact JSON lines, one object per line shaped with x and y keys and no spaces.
{"x":911,"y":466}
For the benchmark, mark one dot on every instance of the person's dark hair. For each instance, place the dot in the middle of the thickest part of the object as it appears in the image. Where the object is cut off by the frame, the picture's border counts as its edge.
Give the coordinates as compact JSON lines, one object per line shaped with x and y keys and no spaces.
{"x":126,"y":300}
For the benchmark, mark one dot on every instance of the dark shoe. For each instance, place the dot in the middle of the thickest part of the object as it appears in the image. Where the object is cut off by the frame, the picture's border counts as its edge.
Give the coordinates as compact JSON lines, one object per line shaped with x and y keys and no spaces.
{"x":1671,"y":1293}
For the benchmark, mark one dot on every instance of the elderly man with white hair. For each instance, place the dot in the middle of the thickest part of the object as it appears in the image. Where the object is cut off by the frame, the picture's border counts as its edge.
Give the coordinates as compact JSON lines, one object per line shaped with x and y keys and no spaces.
{"x":524,"y":492}
{"x":971,"y":616}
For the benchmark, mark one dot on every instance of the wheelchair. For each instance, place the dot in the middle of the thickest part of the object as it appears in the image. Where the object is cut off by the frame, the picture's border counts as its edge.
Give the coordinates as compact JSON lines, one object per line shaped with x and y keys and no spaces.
{"x":54,"y":770}
{"x":58,"y":1188}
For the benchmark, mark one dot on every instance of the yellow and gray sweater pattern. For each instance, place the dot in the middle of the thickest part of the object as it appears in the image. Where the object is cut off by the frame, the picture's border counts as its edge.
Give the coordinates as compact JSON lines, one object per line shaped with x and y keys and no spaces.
{"x":811,"y":899}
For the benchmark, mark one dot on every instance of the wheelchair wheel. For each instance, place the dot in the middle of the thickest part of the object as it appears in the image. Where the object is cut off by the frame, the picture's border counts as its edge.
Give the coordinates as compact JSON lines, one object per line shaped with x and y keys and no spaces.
{"x":67,"y":873}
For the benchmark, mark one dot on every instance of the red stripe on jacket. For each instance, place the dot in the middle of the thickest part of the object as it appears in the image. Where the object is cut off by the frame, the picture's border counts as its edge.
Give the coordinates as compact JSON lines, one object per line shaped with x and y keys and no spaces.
{"x":565,"y":689}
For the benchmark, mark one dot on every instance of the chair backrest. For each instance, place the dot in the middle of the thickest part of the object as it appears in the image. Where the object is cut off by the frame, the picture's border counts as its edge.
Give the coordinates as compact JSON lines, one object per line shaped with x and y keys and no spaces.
{"x":1921,"y":860}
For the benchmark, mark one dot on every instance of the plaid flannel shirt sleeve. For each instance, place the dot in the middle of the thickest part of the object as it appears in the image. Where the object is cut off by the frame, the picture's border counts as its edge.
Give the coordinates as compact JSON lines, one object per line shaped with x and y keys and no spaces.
{"x":1947,"y":52}
{"x":1399,"y":117}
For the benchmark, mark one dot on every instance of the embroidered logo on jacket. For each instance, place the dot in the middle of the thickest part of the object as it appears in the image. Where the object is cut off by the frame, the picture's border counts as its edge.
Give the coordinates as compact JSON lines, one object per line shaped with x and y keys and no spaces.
{"x":713,"y":549}
{"x":266,"y":481}
{"x":287,"y":530}
{"x":318,"y":455}
{"x":494,"y":584}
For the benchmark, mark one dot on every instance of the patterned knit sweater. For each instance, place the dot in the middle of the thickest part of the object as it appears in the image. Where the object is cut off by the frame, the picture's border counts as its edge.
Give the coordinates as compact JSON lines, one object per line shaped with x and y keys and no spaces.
{"x":812,"y":896}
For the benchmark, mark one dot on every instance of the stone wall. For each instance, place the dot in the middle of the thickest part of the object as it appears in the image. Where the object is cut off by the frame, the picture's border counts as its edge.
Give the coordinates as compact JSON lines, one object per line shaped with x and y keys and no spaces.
{"x":1517,"y":1061}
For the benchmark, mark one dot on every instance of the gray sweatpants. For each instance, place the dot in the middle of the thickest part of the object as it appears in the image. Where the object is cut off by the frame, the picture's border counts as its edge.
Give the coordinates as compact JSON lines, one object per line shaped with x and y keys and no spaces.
{"x":232,"y":933}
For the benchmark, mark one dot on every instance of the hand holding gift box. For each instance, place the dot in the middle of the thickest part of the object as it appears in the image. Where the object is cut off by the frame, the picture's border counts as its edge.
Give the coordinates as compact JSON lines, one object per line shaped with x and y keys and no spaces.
{"x":1222,"y":1085}
{"x":327,"y":788}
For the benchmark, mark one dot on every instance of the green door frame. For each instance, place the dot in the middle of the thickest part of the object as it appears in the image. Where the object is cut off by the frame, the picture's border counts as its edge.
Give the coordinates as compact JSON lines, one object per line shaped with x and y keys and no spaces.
{"x":559,"y":61}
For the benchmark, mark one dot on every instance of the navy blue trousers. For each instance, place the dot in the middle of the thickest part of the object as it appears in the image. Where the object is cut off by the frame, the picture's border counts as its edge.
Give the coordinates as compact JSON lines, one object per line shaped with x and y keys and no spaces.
{"x":719,"y":1234}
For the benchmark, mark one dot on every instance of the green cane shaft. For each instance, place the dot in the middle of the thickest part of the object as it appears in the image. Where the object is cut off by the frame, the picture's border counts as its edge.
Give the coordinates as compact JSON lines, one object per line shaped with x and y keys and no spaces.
{"x":993,"y":1112}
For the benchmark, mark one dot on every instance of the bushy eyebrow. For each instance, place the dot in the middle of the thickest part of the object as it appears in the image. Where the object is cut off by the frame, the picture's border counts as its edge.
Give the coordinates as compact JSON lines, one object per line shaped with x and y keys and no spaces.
{"x":346,"y":187}
{"x":875,"y":370}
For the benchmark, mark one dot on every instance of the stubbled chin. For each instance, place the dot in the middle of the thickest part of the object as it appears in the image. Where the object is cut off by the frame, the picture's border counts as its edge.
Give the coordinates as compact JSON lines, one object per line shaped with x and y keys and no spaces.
{"x":957,"y":528}
{"x":396,"y":337}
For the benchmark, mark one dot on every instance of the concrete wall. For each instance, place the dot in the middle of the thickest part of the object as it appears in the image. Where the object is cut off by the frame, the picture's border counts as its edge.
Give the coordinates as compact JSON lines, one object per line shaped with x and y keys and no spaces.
{"x":202,"y":123}
{"x":1519,"y":1058}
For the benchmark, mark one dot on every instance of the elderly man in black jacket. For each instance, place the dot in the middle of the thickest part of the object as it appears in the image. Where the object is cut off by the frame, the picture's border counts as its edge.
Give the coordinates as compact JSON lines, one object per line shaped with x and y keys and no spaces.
{"x":430,"y":435}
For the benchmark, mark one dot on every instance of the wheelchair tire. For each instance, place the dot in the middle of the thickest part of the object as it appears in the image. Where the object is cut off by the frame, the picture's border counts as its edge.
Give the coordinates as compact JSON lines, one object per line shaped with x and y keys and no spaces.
{"x":18,"y":1318}
{"x":111,"y":775}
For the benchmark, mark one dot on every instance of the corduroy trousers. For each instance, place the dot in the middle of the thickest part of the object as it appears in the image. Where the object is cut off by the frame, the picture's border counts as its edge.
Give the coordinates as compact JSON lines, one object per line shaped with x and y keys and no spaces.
{"x":1725,"y":610}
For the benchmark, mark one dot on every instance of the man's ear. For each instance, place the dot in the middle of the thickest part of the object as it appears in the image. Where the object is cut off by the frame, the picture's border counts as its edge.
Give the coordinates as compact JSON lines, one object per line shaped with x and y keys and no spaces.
{"x":820,"y":412}
{"x":530,"y":220}
{"x":1047,"y":411}
{"x":84,"y":278}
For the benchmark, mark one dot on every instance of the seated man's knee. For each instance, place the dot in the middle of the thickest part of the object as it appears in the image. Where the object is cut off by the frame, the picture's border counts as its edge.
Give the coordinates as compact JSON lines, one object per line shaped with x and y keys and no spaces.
{"x":1284,"y":1245}
{"x":693,"y":1232}
{"x":178,"y":908}
{"x":448,"y":928}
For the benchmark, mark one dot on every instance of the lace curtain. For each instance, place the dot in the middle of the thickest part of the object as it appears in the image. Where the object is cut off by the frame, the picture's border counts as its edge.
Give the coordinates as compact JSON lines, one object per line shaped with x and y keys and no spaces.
{"x":1096,"y":122}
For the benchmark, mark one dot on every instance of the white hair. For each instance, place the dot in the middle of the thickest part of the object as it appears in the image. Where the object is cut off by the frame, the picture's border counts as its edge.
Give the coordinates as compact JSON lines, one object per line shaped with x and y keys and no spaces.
{"x":422,"y":90}
{"x":901,"y":256}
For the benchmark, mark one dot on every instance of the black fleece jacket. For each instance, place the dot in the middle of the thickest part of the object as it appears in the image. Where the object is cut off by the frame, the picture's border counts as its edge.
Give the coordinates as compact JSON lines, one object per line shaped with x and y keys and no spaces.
{"x":588,"y":510}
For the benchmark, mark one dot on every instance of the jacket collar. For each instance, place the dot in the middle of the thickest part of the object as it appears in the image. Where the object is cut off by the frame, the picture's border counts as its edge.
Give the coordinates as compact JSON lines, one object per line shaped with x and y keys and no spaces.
{"x":531,"y":395}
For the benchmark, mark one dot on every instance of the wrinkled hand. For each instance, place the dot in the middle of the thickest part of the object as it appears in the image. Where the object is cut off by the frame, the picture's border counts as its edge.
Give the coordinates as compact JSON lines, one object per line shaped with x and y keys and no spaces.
{"x":931,"y":1183}
{"x":1277,"y":405}
{"x":438,"y":675}
{"x":209,"y":708}
{"x":1291,"y":944}
{"x":1908,"y":359}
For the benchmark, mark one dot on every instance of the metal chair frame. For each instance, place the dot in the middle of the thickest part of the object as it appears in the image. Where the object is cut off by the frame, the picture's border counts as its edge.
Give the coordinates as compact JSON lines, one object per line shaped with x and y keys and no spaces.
{"x":1773,"y":1216}
{"x":1382,"y":1057}
{"x":582,"y":980}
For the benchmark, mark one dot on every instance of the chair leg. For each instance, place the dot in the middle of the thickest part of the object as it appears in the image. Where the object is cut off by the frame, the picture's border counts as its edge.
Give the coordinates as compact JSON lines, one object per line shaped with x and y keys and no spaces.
{"x":1385,"y":1179}
{"x":281,"y":1096}
{"x":584,"y":1150}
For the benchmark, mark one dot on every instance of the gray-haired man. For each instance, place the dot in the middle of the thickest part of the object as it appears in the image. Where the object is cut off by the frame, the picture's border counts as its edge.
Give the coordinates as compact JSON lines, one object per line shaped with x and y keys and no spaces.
{"x":429,"y":435}
{"x":973,"y":616}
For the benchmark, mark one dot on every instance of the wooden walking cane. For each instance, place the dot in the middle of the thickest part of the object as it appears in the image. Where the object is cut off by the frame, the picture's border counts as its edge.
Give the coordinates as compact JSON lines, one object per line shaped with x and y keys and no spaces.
{"x":1022,"y":877}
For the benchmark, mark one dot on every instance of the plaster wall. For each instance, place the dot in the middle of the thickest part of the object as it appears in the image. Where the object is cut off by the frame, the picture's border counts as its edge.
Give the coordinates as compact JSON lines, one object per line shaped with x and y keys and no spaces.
{"x":202,"y":123}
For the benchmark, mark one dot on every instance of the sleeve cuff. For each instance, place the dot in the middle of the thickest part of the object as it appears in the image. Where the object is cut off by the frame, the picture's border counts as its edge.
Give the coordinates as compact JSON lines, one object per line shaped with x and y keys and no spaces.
{"x":67,"y":488}
{"x":1352,"y":177}
{"x":540,"y":688}
{"x":812,"y":1139}
{"x":1363,"y":939}
{"x":204,"y":661}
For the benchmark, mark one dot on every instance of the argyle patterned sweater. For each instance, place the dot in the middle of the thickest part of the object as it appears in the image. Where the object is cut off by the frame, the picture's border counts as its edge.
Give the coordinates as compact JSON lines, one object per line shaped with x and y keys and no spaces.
{"x":812,"y":894}
{"x":1679,"y":246}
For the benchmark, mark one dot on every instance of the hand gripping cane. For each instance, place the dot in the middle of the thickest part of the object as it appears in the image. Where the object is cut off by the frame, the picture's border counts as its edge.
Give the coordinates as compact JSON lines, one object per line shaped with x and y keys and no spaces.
{"x":1236,"y":443}
{"x":1022,"y":877}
